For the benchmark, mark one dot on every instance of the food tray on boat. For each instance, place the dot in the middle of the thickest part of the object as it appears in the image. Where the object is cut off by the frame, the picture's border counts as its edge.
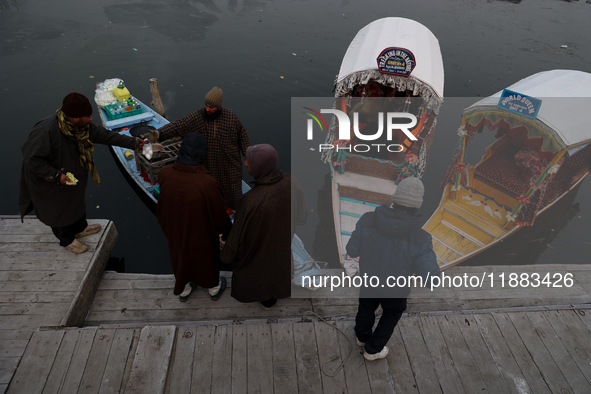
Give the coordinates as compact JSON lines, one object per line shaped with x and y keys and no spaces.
{"x":165,"y":156}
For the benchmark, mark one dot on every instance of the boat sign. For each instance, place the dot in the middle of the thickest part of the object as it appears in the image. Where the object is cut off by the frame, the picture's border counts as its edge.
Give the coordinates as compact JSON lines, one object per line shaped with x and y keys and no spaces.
{"x":519,"y":103}
{"x":396,"y":61}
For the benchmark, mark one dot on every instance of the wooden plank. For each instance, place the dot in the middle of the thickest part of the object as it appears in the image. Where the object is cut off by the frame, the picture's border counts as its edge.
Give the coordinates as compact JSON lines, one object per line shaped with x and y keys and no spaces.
{"x":260,"y":358}
{"x":400,"y":370}
{"x":239,"y":359}
{"x":78,"y":310}
{"x":489,"y":372}
{"x":521,"y":354}
{"x":119,"y":353}
{"x":307,"y":364}
{"x":31,"y":308}
{"x":60,"y":366}
{"x":181,"y":364}
{"x":329,"y":355}
{"x":222,"y":358}
{"x":44,"y":298}
{"x":547,"y":366}
{"x":12,"y":347}
{"x":418,"y":355}
{"x":460,"y":355}
{"x":560,"y":354}
{"x":24,"y":262}
{"x":284,"y":362}
{"x":7,"y":368}
{"x":41,"y":286}
{"x":501,"y":354}
{"x":355,"y":371}
{"x":152,"y":357}
{"x":201,"y":377}
{"x":449,"y":379}
{"x":40,"y":276}
{"x":378,"y":372}
{"x":36,"y":362}
{"x":574,"y":335}
{"x":78,"y":361}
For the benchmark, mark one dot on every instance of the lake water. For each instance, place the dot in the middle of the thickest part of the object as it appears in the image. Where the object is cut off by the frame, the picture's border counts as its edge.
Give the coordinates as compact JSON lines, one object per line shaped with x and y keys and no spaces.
{"x":263,"y":53}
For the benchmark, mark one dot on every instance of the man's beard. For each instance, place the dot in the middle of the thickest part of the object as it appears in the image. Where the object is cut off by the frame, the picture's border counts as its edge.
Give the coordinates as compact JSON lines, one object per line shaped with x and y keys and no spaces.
{"x":213,"y":116}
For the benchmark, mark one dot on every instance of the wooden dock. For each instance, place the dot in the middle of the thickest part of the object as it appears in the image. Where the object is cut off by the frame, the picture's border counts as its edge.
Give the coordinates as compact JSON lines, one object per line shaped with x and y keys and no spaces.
{"x":137,"y":337}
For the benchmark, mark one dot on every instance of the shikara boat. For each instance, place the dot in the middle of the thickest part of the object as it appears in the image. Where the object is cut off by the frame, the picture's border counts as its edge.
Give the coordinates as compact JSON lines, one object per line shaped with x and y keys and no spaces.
{"x":143,"y":173}
{"x":541,"y":151}
{"x":392,"y":64}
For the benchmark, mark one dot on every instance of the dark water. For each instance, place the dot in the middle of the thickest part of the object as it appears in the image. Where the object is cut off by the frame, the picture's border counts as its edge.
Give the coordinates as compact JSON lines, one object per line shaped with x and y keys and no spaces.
{"x":262,"y":53}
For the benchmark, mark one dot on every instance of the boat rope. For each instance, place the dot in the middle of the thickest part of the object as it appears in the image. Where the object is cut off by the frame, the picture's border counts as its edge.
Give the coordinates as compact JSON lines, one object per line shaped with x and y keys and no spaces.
{"x":333,"y":358}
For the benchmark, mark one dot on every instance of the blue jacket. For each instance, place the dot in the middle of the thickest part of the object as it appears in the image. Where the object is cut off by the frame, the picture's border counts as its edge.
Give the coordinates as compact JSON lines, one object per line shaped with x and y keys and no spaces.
{"x":391,"y":243}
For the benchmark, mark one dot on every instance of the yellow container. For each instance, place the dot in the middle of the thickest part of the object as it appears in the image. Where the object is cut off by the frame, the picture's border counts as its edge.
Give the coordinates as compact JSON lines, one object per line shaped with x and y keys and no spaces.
{"x":120,"y":92}
{"x":128,"y":155}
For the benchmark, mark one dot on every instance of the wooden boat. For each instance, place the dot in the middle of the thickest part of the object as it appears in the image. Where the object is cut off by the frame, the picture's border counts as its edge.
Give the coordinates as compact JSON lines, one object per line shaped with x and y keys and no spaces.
{"x":541,"y":152}
{"x":368,"y":83}
{"x":143,"y":173}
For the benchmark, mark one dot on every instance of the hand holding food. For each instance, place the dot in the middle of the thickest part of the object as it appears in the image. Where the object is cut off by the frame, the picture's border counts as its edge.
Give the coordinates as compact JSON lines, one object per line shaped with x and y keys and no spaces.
{"x":71,"y":179}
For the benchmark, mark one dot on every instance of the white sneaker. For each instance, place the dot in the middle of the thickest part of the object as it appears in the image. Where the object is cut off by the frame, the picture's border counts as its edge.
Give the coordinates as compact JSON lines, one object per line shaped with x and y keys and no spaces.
{"x":376,"y":356}
{"x":359,"y":343}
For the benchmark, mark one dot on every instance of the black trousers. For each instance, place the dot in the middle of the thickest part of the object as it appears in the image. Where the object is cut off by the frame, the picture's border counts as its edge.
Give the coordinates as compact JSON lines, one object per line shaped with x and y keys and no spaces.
{"x":392,"y":312}
{"x":67,"y":234}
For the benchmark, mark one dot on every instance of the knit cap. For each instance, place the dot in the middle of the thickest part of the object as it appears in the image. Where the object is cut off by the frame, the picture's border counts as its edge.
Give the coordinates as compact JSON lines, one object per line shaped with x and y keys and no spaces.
{"x":215,"y":97}
{"x":76,"y":105}
{"x":409,"y":193}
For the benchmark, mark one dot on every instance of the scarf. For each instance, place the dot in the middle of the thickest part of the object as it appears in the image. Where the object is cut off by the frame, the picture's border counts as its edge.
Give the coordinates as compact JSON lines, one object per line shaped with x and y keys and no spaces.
{"x":80,"y":136}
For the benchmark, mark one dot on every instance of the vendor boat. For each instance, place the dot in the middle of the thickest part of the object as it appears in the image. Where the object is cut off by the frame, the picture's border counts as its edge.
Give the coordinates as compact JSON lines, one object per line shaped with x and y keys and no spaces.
{"x":142,"y":173}
{"x":392,"y":64}
{"x":542,"y":150}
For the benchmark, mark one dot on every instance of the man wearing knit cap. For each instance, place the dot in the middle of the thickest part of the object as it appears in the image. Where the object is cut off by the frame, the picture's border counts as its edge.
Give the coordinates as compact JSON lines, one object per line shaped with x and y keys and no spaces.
{"x":226,"y":140}
{"x":390,"y":243}
{"x":57,"y":157}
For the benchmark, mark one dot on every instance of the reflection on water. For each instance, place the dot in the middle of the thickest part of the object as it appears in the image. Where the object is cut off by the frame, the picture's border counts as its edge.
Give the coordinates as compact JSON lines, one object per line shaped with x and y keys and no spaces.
{"x":7,"y":4}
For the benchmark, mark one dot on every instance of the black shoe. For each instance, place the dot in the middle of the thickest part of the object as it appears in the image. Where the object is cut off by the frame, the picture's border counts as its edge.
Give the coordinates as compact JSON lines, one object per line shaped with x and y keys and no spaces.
{"x":186,"y":293}
{"x":222,"y":288}
{"x":268,"y":304}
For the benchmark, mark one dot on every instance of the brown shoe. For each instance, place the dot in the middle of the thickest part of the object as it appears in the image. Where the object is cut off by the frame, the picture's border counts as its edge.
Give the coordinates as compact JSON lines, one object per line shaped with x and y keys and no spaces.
{"x":89,"y":230}
{"x":77,"y":247}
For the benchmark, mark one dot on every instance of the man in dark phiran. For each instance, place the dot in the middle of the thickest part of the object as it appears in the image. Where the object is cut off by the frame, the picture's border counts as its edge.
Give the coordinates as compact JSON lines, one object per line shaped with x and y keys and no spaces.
{"x":192,"y":215}
{"x":57,"y":157}
{"x":259,"y":245}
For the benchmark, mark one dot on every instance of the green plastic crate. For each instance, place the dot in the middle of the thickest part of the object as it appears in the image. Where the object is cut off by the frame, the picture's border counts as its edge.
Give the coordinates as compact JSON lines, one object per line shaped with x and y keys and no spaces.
{"x":111,"y":115}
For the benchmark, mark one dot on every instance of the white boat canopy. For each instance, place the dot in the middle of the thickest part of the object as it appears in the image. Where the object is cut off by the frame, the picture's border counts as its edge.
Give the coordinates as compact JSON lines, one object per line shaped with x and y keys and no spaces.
{"x":360,"y":63}
{"x":563,"y":112}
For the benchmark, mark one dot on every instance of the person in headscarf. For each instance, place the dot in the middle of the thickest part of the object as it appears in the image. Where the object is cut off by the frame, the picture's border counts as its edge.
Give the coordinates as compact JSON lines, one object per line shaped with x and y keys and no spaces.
{"x":57,"y":157}
{"x":192,"y":215}
{"x":226,"y":140}
{"x":390,"y":243}
{"x":259,"y":245}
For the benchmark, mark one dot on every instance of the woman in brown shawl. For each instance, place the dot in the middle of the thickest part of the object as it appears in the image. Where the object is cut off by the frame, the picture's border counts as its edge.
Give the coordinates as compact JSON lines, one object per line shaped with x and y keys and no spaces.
{"x":259,"y":245}
{"x":192,"y":214}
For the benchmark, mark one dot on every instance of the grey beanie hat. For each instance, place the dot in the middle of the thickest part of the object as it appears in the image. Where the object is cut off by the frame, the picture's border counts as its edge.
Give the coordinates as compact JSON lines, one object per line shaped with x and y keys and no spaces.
{"x":409,"y":193}
{"x":215,"y":97}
